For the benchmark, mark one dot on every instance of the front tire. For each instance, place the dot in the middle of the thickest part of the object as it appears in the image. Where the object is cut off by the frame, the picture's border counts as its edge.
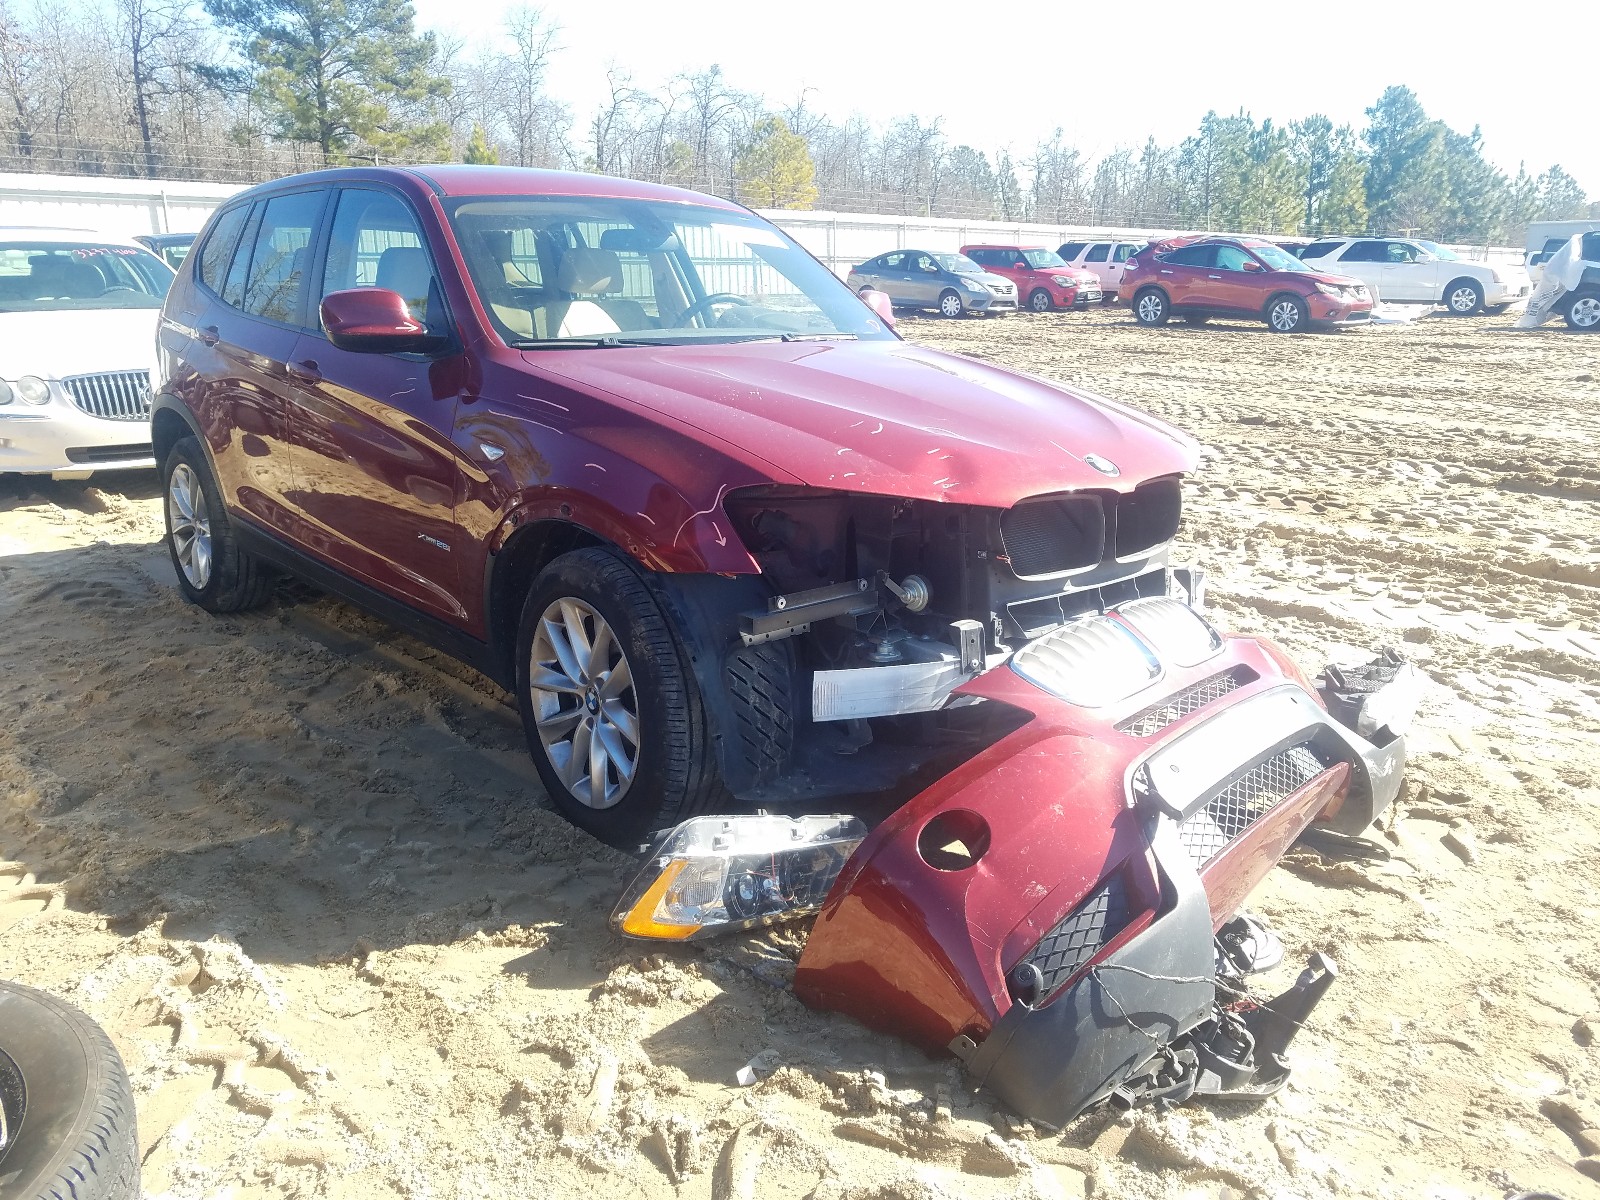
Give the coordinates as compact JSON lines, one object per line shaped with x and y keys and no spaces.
{"x":1150,"y":307}
{"x":1039,"y":300}
{"x":72,"y":1116}
{"x":1463,"y":298}
{"x":1287,"y":314}
{"x":950,"y":304}
{"x":213,"y":570}
{"x":609,"y":703}
{"x":1582,"y":313}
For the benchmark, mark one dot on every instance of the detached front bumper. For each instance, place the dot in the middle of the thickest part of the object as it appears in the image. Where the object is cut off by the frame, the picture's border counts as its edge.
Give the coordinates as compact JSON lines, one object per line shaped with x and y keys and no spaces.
{"x":1100,"y":846}
{"x":1509,"y":292}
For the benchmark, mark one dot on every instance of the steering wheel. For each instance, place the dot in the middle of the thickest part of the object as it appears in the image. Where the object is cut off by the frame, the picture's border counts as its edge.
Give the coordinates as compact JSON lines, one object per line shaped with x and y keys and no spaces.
{"x":705,"y":302}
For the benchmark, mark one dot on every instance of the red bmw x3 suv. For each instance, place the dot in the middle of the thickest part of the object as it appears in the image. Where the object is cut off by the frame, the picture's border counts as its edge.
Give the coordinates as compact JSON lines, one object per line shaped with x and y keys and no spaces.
{"x":1249,"y":278}
{"x":647,"y":464}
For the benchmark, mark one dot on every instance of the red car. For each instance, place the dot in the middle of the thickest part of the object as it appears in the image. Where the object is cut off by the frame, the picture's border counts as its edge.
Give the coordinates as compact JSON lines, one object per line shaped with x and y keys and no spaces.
{"x":1043,"y":278}
{"x":733,"y":545}
{"x":1236,"y":278}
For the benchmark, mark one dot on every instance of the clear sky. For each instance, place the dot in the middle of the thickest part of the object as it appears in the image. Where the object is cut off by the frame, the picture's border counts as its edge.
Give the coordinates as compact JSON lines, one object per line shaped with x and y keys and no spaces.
{"x":1109,"y":73}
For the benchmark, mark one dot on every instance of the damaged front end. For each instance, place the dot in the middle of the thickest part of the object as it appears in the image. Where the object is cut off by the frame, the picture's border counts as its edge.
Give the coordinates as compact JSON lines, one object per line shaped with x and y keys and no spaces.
{"x":1061,"y":783}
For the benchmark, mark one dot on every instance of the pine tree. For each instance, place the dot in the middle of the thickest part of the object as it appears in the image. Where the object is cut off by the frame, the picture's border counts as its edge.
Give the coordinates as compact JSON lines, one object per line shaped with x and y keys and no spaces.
{"x":338,"y":73}
{"x":775,"y":170}
{"x":479,"y":150}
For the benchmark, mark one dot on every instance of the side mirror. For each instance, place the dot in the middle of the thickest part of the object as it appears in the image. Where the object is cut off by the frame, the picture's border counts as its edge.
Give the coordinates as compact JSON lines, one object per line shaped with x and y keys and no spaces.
{"x":1251,"y":264}
{"x":375,"y":320}
{"x":878,"y":302}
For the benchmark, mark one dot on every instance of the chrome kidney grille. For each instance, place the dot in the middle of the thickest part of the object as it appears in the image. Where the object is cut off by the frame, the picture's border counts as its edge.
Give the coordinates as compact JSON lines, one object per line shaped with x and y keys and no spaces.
{"x":111,"y":395}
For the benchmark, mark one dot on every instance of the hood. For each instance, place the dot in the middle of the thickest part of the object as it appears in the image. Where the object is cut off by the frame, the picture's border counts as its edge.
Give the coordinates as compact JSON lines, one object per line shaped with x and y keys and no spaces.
{"x":884,"y":418}
{"x":1336,"y":280}
{"x":53,"y":345}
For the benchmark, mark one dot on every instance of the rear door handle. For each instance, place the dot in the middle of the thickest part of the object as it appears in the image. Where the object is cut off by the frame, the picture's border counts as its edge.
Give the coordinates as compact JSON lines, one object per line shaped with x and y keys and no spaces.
{"x":305,"y":371}
{"x":210,"y":336}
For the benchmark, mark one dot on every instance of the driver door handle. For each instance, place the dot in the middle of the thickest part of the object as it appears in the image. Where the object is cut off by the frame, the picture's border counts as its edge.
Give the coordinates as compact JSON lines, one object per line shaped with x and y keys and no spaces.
{"x":305,"y":371}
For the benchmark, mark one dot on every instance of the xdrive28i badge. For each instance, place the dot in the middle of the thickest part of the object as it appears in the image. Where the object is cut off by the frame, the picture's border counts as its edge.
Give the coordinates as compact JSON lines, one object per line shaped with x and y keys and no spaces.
{"x":1104,"y":465}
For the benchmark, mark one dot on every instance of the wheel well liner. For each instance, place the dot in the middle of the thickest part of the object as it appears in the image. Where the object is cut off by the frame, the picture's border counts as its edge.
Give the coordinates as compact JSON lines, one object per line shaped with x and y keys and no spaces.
{"x":511,"y":573}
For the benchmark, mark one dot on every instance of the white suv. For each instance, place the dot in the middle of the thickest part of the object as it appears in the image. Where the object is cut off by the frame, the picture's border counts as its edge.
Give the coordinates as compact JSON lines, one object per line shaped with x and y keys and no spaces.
{"x":78,"y":314}
{"x":1105,"y":260}
{"x":1406,"y":271}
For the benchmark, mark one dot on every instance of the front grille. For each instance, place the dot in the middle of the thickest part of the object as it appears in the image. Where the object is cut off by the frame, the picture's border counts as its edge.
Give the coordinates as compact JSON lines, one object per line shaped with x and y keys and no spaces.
{"x":1051,"y":535}
{"x":1065,"y":950}
{"x":1246,"y":800}
{"x":105,"y":454}
{"x":111,"y":395}
{"x":1192,"y":699}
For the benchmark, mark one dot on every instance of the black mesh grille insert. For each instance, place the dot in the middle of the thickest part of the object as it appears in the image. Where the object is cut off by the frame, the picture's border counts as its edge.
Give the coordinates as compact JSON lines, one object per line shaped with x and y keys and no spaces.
{"x":1148,"y":516}
{"x":1054,"y":534}
{"x":1246,"y":800}
{"x":1080,"y":934}
{"x":1193,"y":698}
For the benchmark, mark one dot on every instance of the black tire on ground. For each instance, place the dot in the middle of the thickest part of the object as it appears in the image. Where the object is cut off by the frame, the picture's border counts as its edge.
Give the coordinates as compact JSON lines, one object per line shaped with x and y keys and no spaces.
{"x":674,"y":773}
{"x":1582,"y":312}
{"x":1463,"y":297}
{"x":1150,"y":307}
{"x":1039,"y":300}
{"x":236,"y":580}
{"x":950,"y":303}
{"x":760,"y":686}
{"x":1286,"y":313}
{"x":77,"y":1138}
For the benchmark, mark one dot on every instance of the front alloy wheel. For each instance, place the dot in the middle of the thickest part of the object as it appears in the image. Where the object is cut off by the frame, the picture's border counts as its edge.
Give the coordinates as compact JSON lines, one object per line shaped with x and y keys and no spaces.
{"x":1464,"y":299}
{"x":585,"y":708}
{"x":1583,"y":313}
{"x":1286,"y":315}
{"x":189,"y":518}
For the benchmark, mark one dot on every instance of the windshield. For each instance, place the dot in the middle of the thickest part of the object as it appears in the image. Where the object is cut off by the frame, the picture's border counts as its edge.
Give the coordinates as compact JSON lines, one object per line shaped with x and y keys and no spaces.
{"x":565,"y":271}
{"x":1439,"y":251}
{"x":1043,"y":258}
{"x":1279,"y":260}
{"x":55,"y":276}
{"x":958,"y":264}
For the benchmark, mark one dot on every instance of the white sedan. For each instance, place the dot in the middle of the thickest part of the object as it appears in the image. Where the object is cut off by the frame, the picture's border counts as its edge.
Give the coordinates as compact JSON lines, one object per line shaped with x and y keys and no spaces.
{"x":1405,"y":271}
{"x":78,"y":318}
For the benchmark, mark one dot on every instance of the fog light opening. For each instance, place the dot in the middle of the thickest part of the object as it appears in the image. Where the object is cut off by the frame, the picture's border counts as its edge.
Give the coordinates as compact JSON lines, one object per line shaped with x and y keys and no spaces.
{"x":954,"y":840}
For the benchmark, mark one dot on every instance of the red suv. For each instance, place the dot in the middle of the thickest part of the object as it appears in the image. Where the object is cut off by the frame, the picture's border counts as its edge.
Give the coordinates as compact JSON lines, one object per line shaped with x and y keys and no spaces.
{"x":644,"y":462}
{"x":1043,"y":278}
{"x":1239,"y":277}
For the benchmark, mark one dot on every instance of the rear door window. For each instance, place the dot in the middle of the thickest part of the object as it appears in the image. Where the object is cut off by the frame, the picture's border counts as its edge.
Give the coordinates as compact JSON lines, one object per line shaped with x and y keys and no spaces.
{"x":1367,"y":252}
{"x":1203,"y":255}
{"x":280,"y":256}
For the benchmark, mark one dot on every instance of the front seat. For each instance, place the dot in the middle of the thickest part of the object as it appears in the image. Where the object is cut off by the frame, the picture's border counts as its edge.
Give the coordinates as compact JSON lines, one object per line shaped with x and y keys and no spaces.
{"x":587,"y":275}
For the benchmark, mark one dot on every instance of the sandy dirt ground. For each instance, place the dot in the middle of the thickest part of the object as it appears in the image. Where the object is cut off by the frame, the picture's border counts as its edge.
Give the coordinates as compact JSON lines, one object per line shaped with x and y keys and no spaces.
{"x":300,"y":867}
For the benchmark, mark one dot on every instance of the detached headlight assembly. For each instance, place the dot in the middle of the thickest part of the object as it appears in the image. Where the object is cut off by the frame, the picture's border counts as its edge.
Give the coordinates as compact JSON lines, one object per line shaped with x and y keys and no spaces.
{"x":715,"y":875}
{"x":31,"y":389}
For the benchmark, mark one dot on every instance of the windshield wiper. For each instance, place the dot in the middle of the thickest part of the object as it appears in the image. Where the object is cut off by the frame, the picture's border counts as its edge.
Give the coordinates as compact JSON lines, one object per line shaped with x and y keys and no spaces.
{"x":605,"y":341}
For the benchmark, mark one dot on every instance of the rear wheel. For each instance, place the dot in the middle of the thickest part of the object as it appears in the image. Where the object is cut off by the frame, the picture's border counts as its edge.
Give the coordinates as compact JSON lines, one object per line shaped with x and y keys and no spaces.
{"x":1463,"y":298}
{"x":213,"y":571}
{"x":1582,"y":312}
{"x":609,"y":702}
{"x":68,"y":1110}
{"x":1039,"y":300}
{"x":1287,"y":314}
{"x":1150,"y":307}
{"x":950,"y":304}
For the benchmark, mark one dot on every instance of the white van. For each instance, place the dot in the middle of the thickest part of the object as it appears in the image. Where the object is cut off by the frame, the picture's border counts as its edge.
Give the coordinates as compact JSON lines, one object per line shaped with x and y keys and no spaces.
{"x":1546,"y":237}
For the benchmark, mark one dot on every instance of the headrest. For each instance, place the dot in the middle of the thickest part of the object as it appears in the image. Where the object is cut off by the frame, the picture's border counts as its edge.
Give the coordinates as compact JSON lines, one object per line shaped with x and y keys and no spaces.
{"x":586,"y":271}
{"x":405,"y":269}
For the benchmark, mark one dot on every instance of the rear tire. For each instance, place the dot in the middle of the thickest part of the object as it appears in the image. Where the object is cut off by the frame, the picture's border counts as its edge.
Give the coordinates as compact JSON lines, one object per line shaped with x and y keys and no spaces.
{"x":950,"y":304}
{"x":213,"y":570}
{"x":1039,"y":300}
{"x":76,"y":1137}
{"x":1463,"y":297}
{"x":1582,"y":312}
{"x":1286,"y":313}
{"x":670,"y":759}
{"x":1150,"y":307}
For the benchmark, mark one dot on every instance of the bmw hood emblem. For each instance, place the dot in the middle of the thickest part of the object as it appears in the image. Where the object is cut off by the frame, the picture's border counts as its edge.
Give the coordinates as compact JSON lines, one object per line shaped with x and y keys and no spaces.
{"x":1104,"y":465}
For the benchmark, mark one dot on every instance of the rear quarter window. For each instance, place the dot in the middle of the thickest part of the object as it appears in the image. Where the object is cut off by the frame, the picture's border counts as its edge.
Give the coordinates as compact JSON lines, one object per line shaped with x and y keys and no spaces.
{"x":211,"y":266}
